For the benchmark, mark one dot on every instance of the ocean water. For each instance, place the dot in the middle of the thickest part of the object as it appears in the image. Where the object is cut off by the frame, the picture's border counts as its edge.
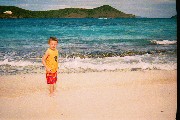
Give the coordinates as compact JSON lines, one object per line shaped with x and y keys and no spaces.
{"x":87,"y":45}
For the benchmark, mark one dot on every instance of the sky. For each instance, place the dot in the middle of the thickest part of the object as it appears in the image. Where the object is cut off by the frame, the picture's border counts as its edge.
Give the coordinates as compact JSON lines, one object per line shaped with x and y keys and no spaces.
{"x":143,"y":8}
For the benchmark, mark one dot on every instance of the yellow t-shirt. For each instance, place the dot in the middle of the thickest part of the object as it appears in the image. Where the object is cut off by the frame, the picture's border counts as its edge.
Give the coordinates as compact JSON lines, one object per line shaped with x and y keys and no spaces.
{"x":52,"y":60}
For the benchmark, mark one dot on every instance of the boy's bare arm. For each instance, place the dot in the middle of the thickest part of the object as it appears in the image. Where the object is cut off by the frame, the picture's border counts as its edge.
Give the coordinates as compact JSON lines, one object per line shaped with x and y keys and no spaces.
{"x":44,"y":61}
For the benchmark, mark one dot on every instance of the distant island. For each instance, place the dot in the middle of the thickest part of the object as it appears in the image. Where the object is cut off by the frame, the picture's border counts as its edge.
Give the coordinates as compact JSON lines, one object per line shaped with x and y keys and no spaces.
{"x":104,"y":11}
{"x":175,"y":16}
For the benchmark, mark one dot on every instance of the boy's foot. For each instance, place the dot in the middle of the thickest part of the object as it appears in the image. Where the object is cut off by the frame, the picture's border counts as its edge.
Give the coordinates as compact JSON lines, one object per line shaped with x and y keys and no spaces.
{"x":51,"y":94}
{"x":56,"y":90}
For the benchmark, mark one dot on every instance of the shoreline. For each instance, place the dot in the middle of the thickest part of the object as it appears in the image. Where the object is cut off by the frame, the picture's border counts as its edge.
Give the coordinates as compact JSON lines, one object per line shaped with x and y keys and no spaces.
{"x":41,"y":70}
{"x":127,"y":95}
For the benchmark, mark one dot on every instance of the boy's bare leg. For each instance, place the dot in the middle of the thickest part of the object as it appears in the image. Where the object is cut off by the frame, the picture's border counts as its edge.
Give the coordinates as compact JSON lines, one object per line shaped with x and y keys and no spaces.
{"x":51,"y":89}
{"x":55,"y":87}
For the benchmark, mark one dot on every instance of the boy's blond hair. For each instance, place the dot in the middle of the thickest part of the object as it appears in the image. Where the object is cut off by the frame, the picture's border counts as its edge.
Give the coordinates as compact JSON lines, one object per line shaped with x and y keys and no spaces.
{"x":52,"y":39}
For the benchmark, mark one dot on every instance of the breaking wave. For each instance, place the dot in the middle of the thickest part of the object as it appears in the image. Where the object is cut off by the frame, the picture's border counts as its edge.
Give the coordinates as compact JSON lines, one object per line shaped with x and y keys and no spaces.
{"x":76,"y":65}
{"x":163,"y":42}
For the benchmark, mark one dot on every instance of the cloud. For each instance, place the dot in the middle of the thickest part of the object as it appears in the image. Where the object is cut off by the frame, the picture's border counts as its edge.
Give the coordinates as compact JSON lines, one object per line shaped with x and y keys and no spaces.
{"x":42,"y":7}
{"x":149,"y":8}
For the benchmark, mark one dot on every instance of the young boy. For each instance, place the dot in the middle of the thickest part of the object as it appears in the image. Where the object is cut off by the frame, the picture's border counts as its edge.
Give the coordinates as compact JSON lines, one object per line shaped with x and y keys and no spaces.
{"x":50,"y":61}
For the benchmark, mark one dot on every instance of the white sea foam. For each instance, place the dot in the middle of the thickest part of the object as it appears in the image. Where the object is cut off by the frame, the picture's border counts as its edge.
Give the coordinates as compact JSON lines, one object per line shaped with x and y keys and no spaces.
{"x":118,"y":63}
{"x":163,"y":42}
{"x":18,"y":63}
{"x":143,"y":62}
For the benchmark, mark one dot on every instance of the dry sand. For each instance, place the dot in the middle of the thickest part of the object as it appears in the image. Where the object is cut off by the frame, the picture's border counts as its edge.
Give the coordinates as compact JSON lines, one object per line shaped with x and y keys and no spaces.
{"x":127,"y":95}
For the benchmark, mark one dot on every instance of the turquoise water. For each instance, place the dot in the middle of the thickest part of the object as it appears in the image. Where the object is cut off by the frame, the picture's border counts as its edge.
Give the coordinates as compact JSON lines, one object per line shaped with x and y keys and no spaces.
{"x":98,"y":44}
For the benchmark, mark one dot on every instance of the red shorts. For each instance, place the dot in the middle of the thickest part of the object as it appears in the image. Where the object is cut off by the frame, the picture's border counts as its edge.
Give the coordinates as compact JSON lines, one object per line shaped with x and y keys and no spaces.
{"x":51,"y":78}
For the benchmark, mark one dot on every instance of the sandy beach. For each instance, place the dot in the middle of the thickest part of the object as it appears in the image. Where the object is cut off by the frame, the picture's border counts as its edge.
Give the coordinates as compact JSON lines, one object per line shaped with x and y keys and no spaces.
{"x":120,"y":95}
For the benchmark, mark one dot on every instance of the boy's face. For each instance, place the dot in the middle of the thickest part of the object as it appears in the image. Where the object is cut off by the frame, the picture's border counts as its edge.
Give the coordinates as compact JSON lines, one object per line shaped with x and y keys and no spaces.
{"x":53,"y":44}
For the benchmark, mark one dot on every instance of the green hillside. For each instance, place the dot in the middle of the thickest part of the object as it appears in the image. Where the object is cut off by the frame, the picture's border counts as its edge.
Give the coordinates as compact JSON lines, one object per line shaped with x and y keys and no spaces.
{"x":104,"y":11}
{"x":175,"y":16}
